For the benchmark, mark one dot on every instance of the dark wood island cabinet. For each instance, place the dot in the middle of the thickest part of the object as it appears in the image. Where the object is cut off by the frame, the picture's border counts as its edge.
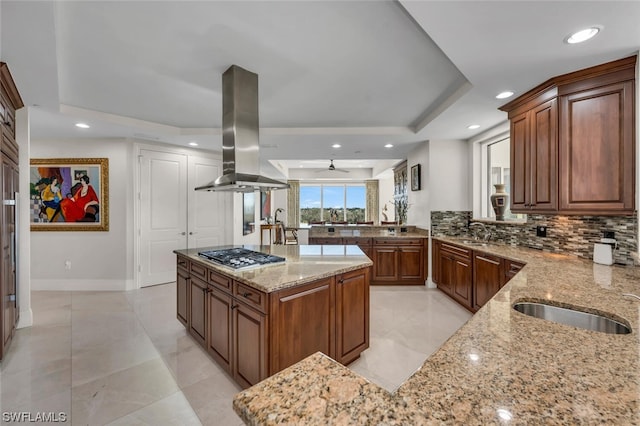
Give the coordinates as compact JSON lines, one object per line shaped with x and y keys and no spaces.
{"x":257,"y":322}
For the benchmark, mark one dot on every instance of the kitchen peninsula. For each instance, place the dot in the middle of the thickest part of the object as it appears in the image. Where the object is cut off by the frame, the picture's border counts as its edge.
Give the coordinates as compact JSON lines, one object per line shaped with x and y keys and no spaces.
{"x":255,"y":322}
{"x":399,"y":252}
{"x":500,"y":367}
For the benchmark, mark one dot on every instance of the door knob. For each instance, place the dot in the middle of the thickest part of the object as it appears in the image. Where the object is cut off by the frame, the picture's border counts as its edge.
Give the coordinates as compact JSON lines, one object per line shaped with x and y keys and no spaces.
{"x":183,"y":233}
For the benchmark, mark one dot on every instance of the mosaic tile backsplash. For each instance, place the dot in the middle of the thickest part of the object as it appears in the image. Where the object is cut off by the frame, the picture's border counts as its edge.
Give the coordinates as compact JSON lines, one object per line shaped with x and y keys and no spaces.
{"x":565,"y":234}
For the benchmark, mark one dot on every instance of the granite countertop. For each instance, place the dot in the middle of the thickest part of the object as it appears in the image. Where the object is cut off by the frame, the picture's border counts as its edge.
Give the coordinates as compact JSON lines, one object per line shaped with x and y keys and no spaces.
{"x":500,"y":367}
{"x":304,"y":264}
{"x":367,"y":231}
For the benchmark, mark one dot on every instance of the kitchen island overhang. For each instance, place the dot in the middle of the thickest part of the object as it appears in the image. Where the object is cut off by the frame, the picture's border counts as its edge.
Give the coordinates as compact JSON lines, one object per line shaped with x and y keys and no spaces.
{"x":256,"y":322}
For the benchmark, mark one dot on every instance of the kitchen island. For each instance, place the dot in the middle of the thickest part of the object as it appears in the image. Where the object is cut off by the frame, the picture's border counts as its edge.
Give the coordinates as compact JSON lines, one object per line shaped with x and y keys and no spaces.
{"x":256,"y":322}
{"x":500,"y":367}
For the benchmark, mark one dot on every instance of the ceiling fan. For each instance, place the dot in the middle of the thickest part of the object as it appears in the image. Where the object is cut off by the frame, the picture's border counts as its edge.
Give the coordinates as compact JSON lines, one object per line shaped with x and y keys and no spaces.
{"x":332,"y":168}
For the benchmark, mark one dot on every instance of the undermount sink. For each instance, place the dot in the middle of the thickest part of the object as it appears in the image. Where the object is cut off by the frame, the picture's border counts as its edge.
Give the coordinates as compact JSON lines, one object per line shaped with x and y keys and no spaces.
{"x":572,"y":317}
{"x":474,"y":243}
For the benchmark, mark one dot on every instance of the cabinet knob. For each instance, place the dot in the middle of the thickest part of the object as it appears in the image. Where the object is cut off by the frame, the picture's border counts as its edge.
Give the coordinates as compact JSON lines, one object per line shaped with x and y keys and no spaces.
{"x":234,"y":306}
{"x":246,"y":294}
{"x":341,"y":281}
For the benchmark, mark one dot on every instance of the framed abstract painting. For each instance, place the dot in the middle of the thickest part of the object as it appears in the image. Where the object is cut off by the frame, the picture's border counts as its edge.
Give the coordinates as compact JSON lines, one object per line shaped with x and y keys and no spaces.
{"x":69,"y":194}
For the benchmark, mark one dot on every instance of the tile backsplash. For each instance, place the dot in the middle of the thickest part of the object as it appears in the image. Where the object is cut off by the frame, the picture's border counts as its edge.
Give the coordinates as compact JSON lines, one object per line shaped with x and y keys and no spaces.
{"x":565,"y":234}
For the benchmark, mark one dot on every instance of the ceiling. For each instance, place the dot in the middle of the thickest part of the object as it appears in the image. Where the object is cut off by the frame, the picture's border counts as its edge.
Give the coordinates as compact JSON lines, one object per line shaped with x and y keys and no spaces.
{"x":360,"y":74}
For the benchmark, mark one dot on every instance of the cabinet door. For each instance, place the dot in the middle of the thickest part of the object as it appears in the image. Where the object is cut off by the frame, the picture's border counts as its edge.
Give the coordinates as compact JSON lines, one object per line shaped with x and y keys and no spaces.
{"x":511,"y":268}
{"x":198,"y":311}
{"x":447,"y":275}
{"x":411,"y":265}
{"x":249,"y":345}
{"x":219,"y":330}
{"x":182,"y":293}
{"x":597,"y":149}
{"x":520,"y":164}
{"x":385,"y":264}
{"x":352,"y":315}
{"x":302,"y":322}
{"x":435,"y":261}
{"x":462,"y":283}
{"x":487,"y":277}
{"x":534,"y":151}
{"x":543,"y":157}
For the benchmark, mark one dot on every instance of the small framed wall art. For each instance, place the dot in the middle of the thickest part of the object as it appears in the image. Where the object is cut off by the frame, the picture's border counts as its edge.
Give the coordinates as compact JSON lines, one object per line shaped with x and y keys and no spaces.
{"x":415,"y":178}
{"x":69,"y":194}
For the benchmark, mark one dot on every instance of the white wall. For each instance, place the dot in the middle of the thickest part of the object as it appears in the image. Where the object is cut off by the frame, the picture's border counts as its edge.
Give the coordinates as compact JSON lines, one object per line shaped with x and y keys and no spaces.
{"x":99,"y":260}
{"x":419,"y":213}
{"x":385,"y":195}
{"x":449,"y":175}
{"x":24,"y":240}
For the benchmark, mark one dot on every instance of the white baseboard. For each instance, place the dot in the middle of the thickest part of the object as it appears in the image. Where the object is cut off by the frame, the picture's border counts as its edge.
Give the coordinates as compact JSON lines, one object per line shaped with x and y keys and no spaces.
{"x":80,"y":285}
{"x":431,"y":284}
{"x":26,"y":318}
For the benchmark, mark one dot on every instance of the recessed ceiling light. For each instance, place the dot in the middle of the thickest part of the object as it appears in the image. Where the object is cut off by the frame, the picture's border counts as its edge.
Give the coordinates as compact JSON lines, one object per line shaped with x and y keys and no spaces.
{"x":82,"y":125}
{"x":583,"y":35}
{"x":473,"y":126}
{"x":389,"y":145}
{"x":193,"y":143}
{"x":336,"y":145}
{"x":504,"y":95}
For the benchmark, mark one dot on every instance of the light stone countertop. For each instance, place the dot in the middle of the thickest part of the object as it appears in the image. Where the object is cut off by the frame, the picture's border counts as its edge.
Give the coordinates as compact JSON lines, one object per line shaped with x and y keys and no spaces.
{"x":367,"y":231}
{"x":501,"y":367}
{"x":304,"y":264}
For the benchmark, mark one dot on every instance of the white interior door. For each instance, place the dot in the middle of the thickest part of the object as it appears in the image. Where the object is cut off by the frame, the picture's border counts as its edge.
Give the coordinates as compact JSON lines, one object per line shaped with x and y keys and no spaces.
{"x":163,"y":214}
{"x":208,"y":212}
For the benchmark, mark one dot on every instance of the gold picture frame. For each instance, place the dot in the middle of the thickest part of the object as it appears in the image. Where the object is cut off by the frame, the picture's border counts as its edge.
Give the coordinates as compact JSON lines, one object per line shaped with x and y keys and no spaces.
{"x":69,"y":194}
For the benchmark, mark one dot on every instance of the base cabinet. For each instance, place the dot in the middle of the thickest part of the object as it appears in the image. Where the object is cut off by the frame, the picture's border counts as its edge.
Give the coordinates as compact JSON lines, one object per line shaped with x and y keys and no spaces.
{"x":454,"y":274}
{"x":198,"y":310}
{"x":253,"y":335}
{"x":304,"y":323}
{"x":487,"y":278}
{"x":249,"y":345}
{"x":182,"y":294}
{"x":220,"y":327}
{"x":470,"y":277}
{"x":352,"y":315}
{"x":399,"y":261}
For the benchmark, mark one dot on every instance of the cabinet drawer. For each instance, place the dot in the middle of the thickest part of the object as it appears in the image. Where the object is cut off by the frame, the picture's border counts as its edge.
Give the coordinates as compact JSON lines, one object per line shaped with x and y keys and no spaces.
{"x":326,"y":241}
{"x":183,"y":263}
{"x":397,"y":241}
{"x":357,"y":241}
{"x":220,"y":281}
{"x":250,"y":296}
{"x":460,"y":251}
{"x":198,"y":270}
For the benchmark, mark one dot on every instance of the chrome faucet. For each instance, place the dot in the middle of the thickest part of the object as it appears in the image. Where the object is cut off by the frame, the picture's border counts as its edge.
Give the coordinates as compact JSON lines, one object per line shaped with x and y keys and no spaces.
{"x":486,"y":234}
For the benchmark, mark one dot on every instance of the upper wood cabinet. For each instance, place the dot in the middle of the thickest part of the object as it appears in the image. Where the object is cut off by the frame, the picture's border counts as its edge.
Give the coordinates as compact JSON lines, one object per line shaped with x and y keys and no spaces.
{"x":534,"y":157}
{"x":573,"y":143}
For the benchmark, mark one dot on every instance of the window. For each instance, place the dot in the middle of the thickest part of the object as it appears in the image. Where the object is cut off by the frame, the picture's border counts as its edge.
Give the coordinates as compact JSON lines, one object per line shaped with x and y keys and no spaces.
{"x":498,"y":170}
{"x":332,"y":203}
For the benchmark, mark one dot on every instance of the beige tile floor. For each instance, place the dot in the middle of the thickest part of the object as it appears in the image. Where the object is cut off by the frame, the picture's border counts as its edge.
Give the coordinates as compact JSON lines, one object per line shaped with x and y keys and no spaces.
{"x":121,"y":358}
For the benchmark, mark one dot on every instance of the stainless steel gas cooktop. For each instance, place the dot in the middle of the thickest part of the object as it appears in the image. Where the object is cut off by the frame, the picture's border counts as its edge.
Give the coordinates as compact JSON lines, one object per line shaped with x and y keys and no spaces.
{"x":240,"y":258}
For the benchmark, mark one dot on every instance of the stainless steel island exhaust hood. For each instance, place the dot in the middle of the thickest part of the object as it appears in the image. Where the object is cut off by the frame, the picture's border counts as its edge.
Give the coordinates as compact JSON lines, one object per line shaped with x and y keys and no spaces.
{"x":240,"y":143}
